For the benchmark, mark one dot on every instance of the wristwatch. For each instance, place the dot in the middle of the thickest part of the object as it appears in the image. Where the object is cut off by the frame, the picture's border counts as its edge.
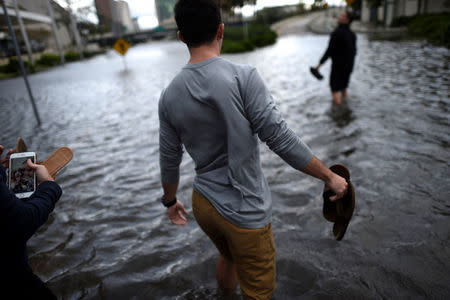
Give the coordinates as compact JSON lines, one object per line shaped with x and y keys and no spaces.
{"x":168,"y":204}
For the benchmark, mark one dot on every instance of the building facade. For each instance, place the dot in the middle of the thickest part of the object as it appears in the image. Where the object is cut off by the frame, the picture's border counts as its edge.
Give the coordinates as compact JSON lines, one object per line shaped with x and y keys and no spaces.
{"x":37,"y":23}
{"x":385,"y":11}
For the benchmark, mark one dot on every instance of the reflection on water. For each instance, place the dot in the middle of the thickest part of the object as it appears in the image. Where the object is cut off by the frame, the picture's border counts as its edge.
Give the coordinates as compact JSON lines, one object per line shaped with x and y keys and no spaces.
{"x":109,"y":237}
{"x":341,"y":114}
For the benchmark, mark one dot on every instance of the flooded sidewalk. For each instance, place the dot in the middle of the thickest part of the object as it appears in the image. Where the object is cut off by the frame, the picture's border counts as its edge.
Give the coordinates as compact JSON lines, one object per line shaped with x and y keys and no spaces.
{"x":109,"y":237}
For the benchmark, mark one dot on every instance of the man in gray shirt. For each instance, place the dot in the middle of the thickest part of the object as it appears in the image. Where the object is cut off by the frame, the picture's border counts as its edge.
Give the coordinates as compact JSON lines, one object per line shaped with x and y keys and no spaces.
{"x":217,"y":110}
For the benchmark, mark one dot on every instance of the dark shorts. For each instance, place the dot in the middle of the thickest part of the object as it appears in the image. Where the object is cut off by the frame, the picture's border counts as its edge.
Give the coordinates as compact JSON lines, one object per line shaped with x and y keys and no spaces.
{"x":251,"y":250}
{"x":339,"y":79}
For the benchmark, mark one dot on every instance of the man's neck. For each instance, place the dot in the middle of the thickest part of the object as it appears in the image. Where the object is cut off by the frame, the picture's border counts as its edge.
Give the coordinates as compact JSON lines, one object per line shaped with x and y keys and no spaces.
{"x":203,"y":53}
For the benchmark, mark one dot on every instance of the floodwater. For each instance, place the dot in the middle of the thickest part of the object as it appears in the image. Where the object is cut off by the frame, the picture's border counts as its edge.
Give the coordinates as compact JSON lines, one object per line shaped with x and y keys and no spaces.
{"x":109,"y":237}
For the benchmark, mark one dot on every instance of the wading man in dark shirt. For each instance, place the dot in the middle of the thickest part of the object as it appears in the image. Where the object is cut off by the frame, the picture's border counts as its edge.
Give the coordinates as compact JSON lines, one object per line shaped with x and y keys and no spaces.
{"x":217,"y":110}
{"x":342,"y":50}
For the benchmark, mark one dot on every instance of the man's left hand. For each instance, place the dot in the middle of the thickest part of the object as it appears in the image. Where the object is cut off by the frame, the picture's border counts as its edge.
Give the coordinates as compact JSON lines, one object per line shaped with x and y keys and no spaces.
{"x":175,"y":213}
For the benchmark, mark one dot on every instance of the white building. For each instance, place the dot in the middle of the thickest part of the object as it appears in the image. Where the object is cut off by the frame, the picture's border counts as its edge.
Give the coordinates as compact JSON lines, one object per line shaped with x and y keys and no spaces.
{"x":390,"y":9}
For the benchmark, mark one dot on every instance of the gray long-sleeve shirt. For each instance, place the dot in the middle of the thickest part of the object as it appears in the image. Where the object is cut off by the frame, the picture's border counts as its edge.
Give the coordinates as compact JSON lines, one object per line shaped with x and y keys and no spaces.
{"x":217,"y":109}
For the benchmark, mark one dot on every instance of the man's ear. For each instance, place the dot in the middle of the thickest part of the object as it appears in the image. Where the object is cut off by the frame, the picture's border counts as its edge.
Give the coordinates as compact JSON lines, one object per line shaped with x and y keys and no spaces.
{"x":220,"y":31}
{"x":180,"y":37}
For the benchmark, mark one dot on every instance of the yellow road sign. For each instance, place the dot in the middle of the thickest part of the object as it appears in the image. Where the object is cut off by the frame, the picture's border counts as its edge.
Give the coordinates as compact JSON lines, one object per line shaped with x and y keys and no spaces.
{"x":121,"y":46}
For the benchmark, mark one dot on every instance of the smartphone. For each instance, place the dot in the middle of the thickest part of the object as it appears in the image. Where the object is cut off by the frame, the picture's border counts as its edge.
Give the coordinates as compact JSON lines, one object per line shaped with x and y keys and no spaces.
{"x":22,"y":179}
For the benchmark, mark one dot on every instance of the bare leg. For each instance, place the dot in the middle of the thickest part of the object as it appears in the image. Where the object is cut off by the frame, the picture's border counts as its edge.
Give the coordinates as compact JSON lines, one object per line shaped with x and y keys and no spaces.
{"x":226,"y":274}
{"x":344,"y":93}
{"x":337,"y":98}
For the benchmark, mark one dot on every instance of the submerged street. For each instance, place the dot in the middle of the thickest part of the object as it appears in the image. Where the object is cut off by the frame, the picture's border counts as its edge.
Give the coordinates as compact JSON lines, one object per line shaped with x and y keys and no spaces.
{"x":110,"y":238}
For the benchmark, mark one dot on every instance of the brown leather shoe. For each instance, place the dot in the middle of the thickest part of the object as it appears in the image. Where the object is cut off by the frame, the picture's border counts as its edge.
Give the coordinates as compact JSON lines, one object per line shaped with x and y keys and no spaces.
{"x":339,"y":212}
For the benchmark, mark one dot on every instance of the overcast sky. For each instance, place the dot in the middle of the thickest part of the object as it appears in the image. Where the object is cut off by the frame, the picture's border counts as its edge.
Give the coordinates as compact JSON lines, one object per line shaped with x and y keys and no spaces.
{"x":145,"y":9}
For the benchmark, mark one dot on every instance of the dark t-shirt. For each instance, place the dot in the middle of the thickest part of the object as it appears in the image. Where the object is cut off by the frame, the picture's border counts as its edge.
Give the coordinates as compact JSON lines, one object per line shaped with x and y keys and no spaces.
{"x":342,"y":48}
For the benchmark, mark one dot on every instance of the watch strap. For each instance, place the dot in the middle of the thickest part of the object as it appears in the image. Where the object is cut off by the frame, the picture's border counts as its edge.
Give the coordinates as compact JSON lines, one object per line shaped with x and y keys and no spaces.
{"x":168,"y":204}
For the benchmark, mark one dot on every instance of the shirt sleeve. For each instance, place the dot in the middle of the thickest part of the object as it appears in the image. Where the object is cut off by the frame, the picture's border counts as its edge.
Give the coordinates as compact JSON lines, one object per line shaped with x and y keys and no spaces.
{"x":170,"y":148}
{"x":266,"y":121}
{"x":2,"y":174}
{"x":330,"y":50}
{"x":23,"y":218}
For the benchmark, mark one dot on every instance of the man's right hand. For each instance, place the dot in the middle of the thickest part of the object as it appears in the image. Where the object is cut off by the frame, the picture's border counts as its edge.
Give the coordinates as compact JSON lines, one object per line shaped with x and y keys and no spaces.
{"x":175,"y":213}
{"x":332,"y":181}
{"x":338,"y":185}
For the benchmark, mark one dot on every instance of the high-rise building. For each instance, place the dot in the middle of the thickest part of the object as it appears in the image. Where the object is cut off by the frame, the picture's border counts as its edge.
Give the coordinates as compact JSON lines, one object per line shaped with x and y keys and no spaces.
{"x":114,"y":15}
{"x":123,"y":16}
{"x":104,"y":13}
{"x":136,"y":24}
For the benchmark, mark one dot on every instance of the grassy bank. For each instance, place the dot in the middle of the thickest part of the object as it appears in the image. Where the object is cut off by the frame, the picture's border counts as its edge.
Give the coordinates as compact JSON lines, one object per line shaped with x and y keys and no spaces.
{"x":259,"y":35}
{"x":45,"y":61}
{"x":433,"y":27}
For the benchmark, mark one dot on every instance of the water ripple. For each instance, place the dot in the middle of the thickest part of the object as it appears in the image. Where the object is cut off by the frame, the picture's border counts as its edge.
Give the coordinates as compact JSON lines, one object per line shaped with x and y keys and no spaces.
{"x":110,"y":238}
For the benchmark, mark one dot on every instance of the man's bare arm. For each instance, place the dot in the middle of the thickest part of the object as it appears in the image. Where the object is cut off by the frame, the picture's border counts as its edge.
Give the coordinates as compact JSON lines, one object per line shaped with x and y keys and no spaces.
{"x":332,"y":181}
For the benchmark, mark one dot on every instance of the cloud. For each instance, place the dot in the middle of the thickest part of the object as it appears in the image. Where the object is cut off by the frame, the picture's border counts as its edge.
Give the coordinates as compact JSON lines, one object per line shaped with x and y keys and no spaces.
{"x":140,"y":8}
{"x":147,"y":22}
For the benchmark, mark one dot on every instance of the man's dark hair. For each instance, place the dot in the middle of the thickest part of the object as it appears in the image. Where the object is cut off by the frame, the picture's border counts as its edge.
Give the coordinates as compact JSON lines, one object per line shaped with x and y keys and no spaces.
{"x":350,"y":16}
{"x":198,"y":20}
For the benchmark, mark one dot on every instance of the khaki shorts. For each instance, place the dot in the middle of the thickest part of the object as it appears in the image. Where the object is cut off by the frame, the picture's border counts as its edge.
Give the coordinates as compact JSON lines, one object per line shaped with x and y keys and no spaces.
{"x":252,"y":250}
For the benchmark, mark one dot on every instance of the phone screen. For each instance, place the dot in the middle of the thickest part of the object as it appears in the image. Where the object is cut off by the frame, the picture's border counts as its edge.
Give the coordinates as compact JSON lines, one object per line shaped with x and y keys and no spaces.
{"x":22,"y":177}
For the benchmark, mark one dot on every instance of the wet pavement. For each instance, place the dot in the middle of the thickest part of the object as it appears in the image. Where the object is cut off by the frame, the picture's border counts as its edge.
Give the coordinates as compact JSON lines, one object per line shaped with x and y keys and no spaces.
{"x":109,"y":237}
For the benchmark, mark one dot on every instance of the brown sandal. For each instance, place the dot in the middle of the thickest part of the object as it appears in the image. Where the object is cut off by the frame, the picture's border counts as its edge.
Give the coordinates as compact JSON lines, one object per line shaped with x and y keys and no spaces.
{"x":21,"y":146}
{"x":57,"y":160}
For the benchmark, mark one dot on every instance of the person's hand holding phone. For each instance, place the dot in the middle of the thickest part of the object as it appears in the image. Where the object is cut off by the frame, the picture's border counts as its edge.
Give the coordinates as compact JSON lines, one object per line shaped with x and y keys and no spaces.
{"x":41,"y":172}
